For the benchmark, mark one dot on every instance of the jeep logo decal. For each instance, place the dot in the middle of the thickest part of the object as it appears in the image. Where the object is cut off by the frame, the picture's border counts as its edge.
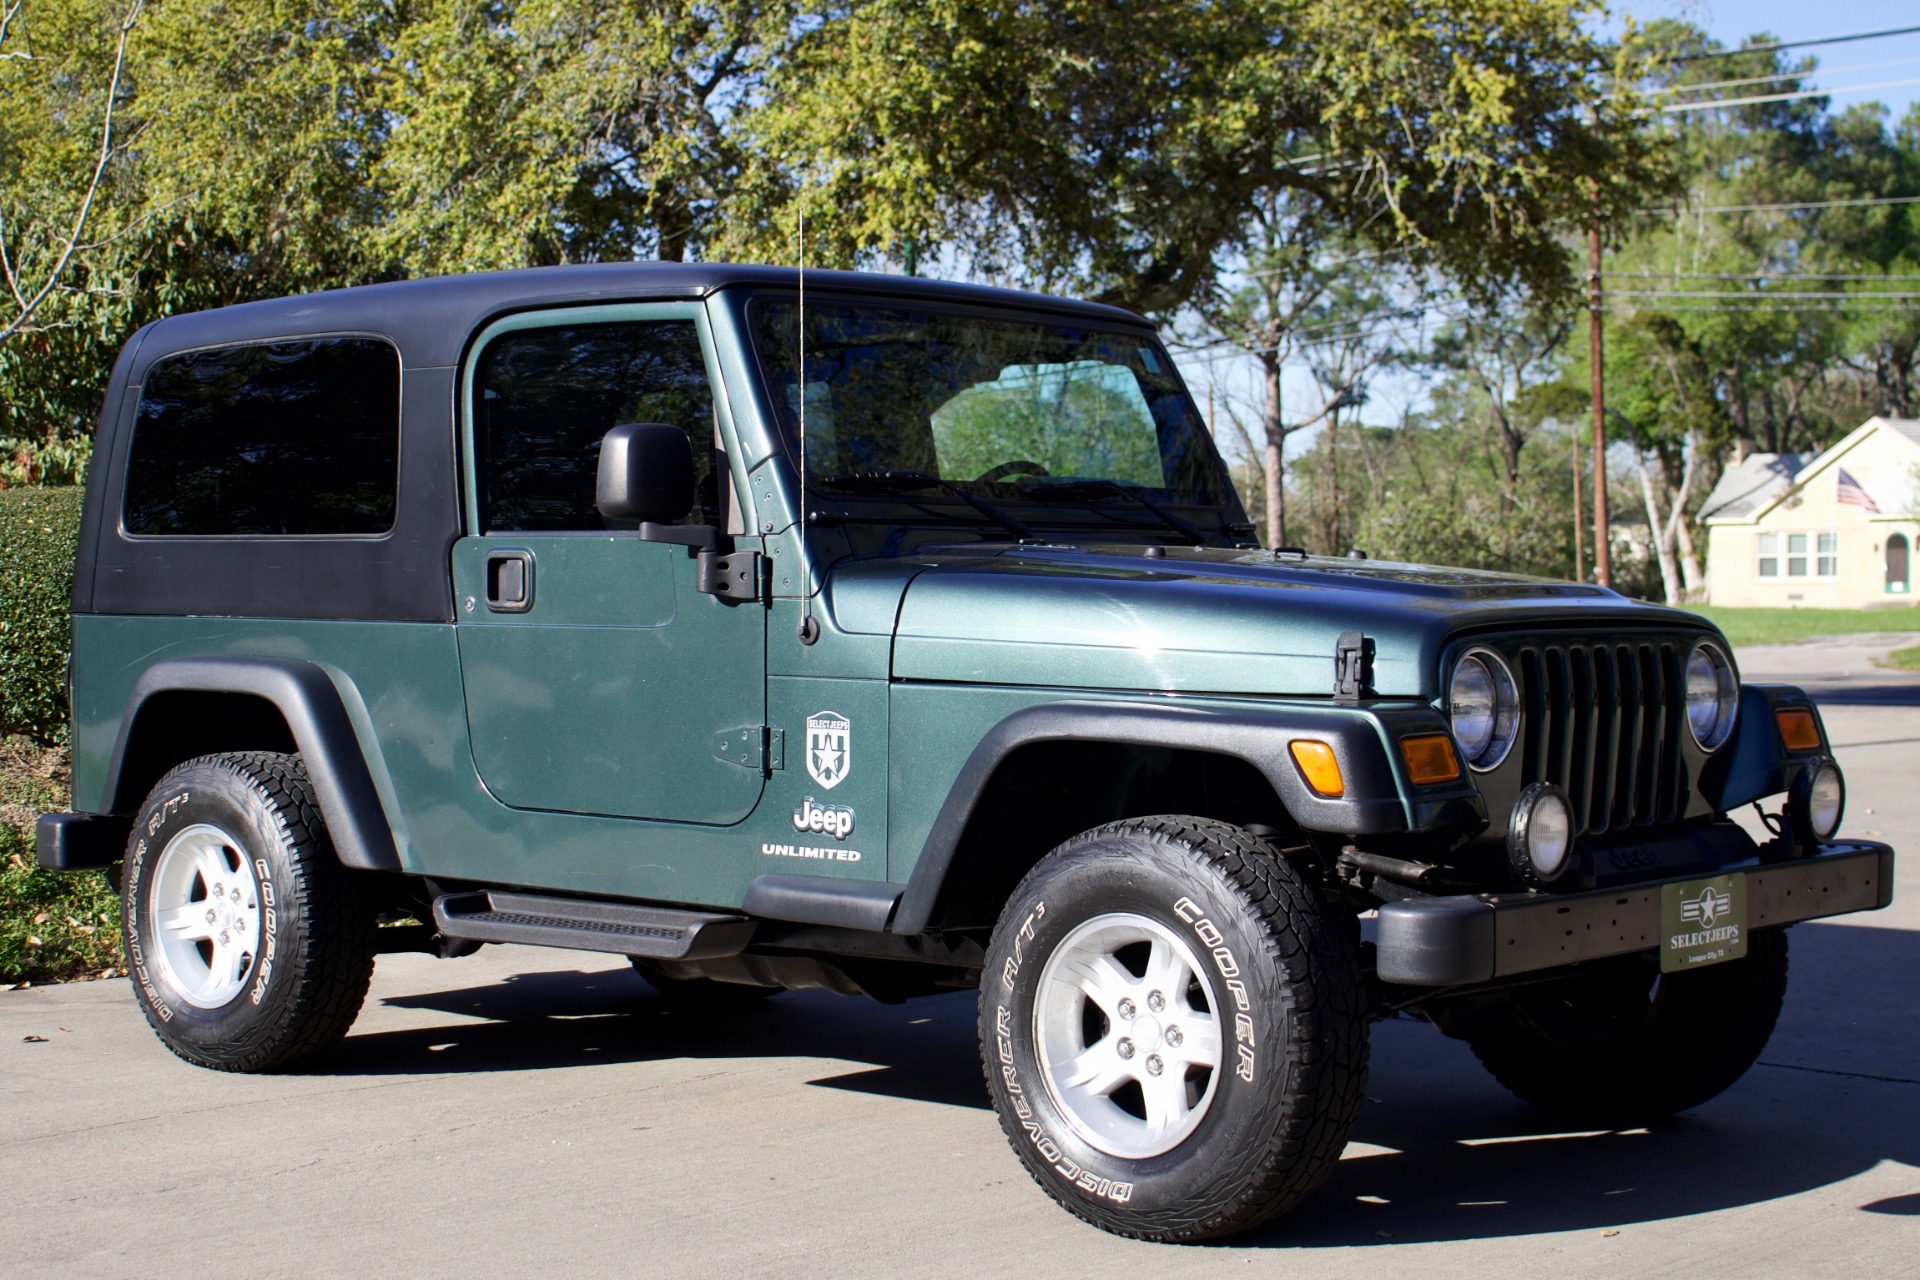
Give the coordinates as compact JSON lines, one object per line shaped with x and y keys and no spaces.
{"x":829,"y":748}
{"x":834,"y":820}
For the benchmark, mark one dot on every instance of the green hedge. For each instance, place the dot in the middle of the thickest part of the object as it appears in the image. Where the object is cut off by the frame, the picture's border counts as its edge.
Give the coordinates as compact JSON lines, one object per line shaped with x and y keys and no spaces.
{"x":37,"y":531}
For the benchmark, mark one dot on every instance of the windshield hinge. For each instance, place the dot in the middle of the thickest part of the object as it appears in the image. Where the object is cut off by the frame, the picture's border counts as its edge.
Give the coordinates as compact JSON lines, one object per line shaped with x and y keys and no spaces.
{"x":735,"y":576}
{"x":1352,"y":667}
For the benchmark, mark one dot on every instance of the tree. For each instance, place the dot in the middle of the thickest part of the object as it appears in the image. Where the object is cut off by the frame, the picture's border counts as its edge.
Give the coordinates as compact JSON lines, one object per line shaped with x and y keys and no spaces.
{"x":1512,"y":356}
{"x":544,"y":131}
{"x":1660,"y":391}
{"x":39,"y":238}
{"x":1290,"y":299}
{"x":1119,"y":151}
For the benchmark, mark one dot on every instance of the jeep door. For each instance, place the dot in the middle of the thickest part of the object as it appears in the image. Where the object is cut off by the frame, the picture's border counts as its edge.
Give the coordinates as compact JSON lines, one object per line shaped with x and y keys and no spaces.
{"x":598,"y":678}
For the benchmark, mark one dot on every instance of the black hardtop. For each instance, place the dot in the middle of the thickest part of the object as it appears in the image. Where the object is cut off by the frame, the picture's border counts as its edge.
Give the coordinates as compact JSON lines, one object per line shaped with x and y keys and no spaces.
{"x":431,"y":319}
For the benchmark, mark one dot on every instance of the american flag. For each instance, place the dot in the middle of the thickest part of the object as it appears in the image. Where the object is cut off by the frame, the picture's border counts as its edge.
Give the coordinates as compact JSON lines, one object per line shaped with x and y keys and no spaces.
{"x":1851,"y":494}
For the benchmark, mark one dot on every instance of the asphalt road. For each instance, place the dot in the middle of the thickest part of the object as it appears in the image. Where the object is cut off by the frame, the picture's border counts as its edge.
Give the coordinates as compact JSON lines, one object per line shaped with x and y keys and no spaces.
{"x":522,"y":1112}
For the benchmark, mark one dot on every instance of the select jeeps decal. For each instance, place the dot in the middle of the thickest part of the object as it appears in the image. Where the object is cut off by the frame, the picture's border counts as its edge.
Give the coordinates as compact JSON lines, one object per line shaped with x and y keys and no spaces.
{"x":829,"y":748}
{"x":835,"y":820}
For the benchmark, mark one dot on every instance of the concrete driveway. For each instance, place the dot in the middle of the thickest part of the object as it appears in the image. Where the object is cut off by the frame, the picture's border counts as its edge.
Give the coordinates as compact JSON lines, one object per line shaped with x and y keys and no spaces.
{"x":522,"y":1112}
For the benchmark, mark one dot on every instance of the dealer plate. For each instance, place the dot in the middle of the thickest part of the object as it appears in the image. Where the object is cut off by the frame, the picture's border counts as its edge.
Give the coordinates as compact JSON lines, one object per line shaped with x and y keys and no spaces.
{"x":1703,"y":922}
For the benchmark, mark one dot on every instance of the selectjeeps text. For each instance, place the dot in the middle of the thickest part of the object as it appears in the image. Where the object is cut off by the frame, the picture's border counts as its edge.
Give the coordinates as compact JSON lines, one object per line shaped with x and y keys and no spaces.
{"x":912,"y":641}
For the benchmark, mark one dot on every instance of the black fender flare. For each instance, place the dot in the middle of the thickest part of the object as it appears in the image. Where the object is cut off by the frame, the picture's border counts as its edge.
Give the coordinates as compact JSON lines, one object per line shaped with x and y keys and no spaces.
{"x":317,"y":717}
{"x":1377,"y":799}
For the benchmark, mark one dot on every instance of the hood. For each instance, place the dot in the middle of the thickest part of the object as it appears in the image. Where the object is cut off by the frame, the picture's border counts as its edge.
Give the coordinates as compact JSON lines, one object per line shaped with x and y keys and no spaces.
{"x":1195,"y":620}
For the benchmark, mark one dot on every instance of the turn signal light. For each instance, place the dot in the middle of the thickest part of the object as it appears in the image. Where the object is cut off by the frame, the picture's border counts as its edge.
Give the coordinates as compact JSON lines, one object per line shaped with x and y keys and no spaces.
{"x":1798,"y":729}
{"x":1430,"y":759}
{"x":1318,"y":767}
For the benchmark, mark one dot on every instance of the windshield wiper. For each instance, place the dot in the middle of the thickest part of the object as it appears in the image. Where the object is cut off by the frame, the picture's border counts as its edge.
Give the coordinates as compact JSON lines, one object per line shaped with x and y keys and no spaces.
{"x":906,"y":481}
{"x":1079,"y":488}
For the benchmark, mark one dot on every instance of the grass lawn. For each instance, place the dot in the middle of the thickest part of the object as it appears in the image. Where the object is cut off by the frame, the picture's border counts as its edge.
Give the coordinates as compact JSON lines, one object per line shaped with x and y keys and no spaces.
{"x":1904,"y":659}
{"x":1783,"y":626}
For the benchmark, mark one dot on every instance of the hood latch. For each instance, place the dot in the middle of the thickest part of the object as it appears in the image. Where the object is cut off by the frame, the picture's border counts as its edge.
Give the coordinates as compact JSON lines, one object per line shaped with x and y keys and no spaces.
{"x":1352,"y":667}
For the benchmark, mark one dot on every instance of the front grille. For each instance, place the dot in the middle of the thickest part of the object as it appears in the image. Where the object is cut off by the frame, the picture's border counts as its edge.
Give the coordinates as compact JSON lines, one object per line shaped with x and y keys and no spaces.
{"x":1604,"y":722}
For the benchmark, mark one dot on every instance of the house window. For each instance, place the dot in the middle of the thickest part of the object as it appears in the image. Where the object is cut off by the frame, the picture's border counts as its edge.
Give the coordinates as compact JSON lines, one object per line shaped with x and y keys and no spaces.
{"x":1767,"y":548}
{"x":1796,"y":555}
{"x":1827,"y":563}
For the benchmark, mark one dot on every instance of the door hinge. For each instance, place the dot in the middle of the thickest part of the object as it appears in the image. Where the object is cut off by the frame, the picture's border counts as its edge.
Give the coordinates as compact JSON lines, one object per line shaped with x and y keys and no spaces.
{"x":756,"y":747}
{"x":735,"y":576}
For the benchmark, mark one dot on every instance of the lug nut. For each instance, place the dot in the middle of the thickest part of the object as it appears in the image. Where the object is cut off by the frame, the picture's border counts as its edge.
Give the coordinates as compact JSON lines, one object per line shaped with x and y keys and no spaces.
{"x":1154,"y":1065}
{"x":1174,"y":1036}
{"x":1124,"y":1048}
{"x":1156,"y":1001}
{"x":210,"y":916}
{"x":1126,"y":1008}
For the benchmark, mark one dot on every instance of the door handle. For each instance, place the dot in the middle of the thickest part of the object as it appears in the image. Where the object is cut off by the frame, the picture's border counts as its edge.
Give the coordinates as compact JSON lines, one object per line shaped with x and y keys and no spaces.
{"x":510,"y":581}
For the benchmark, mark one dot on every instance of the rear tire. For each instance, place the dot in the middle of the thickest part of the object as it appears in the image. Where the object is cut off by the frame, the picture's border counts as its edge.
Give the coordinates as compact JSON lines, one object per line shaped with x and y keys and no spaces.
{"x":250,"y":947}
{"x":1624,"y":1043}
{"x":1173,"y":1029}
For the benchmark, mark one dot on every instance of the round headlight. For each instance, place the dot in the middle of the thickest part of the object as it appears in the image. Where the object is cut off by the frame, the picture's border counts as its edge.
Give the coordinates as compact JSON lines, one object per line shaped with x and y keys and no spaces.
{"x":1540,"y":833}
{"x":1713,"y":695}
{"x":1484,"y":705}
{"x":1818,"y":798}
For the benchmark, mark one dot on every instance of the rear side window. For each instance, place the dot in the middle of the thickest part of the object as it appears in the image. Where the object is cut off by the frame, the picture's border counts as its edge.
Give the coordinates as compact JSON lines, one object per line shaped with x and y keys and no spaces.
{"x":545,"y":397}
{"x":279,"y":438}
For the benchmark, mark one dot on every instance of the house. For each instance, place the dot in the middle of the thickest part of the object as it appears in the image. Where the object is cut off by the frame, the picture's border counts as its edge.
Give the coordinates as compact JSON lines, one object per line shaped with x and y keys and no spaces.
{"x":1834,"y":530}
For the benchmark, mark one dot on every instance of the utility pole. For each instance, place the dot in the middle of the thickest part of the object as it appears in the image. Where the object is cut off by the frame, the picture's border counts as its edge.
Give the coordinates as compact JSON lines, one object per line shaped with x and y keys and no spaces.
{"x":1602,"y":552}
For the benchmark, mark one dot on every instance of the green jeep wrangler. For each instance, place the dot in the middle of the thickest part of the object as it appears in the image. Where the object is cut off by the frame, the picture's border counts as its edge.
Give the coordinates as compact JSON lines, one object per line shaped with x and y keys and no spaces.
{"x":892,"y":637}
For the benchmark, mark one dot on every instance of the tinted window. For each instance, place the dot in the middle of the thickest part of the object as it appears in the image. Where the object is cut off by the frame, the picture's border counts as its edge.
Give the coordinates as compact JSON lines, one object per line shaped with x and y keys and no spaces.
{"x":284,"y":438}
{"x":544,"y":398}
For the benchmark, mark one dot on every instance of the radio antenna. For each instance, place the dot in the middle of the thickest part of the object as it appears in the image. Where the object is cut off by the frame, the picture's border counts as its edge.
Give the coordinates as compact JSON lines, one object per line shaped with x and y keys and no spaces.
{"x":809,"y":629}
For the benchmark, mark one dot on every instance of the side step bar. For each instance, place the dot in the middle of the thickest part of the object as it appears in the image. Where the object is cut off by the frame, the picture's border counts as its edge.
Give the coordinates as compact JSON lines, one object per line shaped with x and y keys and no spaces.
{"x":656,"y":933}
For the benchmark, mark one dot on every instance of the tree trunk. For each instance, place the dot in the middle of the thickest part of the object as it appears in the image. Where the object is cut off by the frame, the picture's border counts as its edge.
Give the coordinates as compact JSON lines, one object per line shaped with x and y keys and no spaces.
{"x":1275,"y":461}
{"x":1660,"y":532}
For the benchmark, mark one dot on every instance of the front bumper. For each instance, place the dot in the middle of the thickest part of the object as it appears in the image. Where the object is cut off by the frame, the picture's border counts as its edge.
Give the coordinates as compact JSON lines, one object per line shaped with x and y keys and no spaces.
{"x":1474,"y":938}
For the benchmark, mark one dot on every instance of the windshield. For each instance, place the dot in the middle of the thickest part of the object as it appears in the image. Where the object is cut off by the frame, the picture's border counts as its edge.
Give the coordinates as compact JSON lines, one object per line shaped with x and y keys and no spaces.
{"x":997,"y":407}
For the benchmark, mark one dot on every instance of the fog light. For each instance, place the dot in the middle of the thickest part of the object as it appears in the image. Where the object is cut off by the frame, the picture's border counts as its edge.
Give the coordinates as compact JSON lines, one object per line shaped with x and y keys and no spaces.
{"x":1817,"y":801}
{"x":1540,"y":834}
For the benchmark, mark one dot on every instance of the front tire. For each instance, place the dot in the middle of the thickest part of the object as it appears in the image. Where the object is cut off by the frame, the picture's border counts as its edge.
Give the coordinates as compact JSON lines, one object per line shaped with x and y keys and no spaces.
{"x":1623,"y":1043}
{"x":1173,"y":1029}
{"x":249,"y":946}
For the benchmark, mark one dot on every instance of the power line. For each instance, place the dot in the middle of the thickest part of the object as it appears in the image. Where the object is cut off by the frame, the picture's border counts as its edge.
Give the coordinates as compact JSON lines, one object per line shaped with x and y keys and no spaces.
{"x":1758,"y":277}
{"x":1780,"y":208}
{"x":1723,"y":308}
{"x":1795,"y":44}
{"x":1772,"y":97}
{"x":1757,"y":297}
{"x":1790,"y":75}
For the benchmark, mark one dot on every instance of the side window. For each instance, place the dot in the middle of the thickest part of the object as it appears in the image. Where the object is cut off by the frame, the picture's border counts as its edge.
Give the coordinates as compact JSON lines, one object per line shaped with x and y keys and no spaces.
{"x":543,"y":398}
{"x":290,"y":439}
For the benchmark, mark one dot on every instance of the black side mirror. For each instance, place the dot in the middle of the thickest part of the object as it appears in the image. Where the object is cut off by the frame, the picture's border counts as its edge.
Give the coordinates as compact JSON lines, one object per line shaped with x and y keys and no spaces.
{"x":646,"y":473}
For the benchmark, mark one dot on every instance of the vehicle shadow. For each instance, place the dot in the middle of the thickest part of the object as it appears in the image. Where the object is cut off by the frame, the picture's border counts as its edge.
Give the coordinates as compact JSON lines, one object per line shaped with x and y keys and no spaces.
{"x":1441,"y":1151}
